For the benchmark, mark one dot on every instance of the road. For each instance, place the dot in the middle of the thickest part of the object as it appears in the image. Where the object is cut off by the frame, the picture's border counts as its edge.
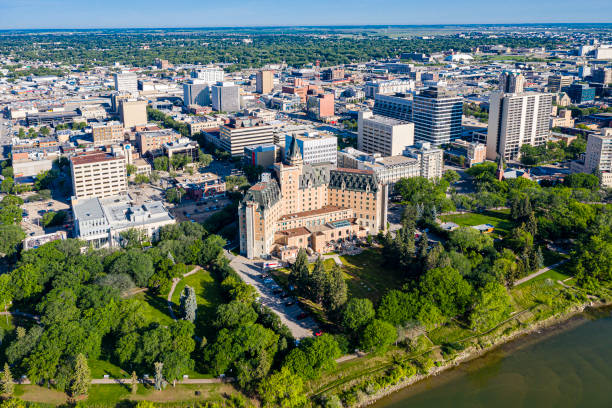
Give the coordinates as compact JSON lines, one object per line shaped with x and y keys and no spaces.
{"x":250,"y":273}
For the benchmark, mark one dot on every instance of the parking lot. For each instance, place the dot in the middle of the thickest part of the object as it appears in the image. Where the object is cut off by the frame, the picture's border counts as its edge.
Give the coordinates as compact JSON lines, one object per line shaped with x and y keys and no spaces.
{"x":31,"y":223}
{"x":290,"y":315}
{"x":198,"y":211}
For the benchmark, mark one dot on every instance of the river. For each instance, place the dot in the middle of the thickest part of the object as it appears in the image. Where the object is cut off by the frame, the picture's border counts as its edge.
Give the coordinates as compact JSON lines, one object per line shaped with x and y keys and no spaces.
{"x":561,"y":367}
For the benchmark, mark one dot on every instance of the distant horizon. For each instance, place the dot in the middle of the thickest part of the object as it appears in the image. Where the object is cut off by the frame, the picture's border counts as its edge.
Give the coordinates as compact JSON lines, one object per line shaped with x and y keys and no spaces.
{"x":331,"y":26}
{"x":151,"y":14}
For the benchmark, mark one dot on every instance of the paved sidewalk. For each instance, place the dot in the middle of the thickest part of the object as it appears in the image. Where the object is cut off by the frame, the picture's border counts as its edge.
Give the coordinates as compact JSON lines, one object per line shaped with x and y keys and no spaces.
{"x":538,"y":273}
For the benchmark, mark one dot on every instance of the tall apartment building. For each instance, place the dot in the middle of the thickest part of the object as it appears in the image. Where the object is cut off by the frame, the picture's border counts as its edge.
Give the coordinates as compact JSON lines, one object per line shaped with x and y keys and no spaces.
{"x":398,"y":106}
{"x":97,"y":174}
{"x":388,"y":87}
{"x":557,"y":82}
{"x":321,"y":106}
{"x":602,"y":75}
{"x":107,"y":133}
{"x":511,"y":82}
{"x":515,"y":120}
{"x":226,"y":97}
{"x":380,"y":134}
{"x":126,"y":82}
{"x":437,"y":113}
{"x":430,"y":158}
{"x":209,"y":75}
{"x":598,"y":155}
{"x":152,"y":141}
{"x":240,"y":133}
{"x":196,"y":92}
{"x":133,"y":113}
{"x":264,"y":82}
{"x":314,"y":147}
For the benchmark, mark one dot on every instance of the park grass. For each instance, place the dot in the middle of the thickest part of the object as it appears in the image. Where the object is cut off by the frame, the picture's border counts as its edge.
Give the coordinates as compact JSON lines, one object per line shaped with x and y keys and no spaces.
{"x":100,"y":368}
{"x":111,"y":395}
{"x":500,"y":219}
{"x":154,"y":308}
{"x":368,"y":276}
{"x":208,"y":297}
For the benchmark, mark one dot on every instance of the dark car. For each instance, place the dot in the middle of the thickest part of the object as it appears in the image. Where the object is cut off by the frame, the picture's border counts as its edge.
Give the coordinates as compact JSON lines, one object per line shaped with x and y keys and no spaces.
{"x":302,"y":316}
{"x":290,"y":303}
{"x":277,"y":291}
{"x":284,"y":295}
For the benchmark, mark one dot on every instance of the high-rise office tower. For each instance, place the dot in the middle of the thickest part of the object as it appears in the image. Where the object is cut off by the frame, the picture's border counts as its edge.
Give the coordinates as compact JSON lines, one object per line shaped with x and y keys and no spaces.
{"x":126,"y":81}
{"x":556,"y":83}
{"x":196,"y":92}
{"x":264,"y":82}
{"x":436,"y":113}
{"x":225,"y":97}
{"x":511,"y":82}
{"x":515,"y":120}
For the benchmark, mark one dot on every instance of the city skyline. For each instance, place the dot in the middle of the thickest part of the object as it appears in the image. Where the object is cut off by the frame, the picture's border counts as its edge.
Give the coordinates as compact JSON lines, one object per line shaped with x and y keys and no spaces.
{"x":72,"y":14}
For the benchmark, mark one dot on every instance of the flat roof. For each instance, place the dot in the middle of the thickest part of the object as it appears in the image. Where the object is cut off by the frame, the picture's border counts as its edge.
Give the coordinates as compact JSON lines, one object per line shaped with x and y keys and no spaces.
{"x":93,"y":157}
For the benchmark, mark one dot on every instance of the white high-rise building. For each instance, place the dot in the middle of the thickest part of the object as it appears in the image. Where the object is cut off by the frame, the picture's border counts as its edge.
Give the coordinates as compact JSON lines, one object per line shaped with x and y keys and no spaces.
{"x":598,"y":155}
{"x":126,"y":82}
{"x":516,"y":119}
{"x":315,"y":147}
{"x":380,"y":134}
{"x":209,"y":75}
{"x":97,"y":174}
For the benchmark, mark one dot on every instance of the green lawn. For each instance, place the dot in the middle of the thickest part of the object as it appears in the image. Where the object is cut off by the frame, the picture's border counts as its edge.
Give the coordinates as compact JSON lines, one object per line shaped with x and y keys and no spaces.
{"x":368,"y":277}
{"x":99,"y":368}
{"x":208,"y":296}
{"x":154,"y":307}
{"x":500,"y":219}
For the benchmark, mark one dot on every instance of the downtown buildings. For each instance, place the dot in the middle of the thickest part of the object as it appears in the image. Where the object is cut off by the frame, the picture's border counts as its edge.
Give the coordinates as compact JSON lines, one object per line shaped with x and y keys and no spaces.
{"x":384,"y":135}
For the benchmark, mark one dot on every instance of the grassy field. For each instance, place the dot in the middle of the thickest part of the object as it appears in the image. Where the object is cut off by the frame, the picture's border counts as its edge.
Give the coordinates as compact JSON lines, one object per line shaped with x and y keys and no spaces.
{"x":367,"y":277}
{"x":500,"y":219}
{"x":208,"y":296}
{"x":154,"y":307}
{"x":113,"y":395}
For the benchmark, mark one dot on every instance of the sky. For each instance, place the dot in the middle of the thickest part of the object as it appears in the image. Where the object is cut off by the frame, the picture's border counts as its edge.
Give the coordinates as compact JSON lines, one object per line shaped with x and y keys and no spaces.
{"x":15,"y":14}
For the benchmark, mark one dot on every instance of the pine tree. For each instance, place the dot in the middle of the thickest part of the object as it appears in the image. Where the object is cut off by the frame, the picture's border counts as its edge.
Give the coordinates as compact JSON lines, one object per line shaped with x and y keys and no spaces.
{"x":189,"y":304}
{"x":82,"y":376}
{"x":531,"y":225}
{"x":7,"y":381}
{"x":134,"y":382}
{"x":299,"y":276}
{"x":21,"y":332}
{"x":539,"y":259}
{"x":317,"y":281}
{"x":159,"y":377}
{"x":422,"y":246}
{"x":335,"y":290}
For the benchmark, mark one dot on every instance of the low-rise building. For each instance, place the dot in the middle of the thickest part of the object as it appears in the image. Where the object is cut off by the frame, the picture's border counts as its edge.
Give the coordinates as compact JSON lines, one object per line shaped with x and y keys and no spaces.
{"x":100,"y":221}
{"x":151,"y":142}
{"x":107,"y":133}
{"x":244,"y":132}
{"x":315,"y":147}
{"x":431,"y":159}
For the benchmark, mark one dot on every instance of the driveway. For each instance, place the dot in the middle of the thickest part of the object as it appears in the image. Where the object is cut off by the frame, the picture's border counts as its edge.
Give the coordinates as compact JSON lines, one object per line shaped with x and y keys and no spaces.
{"x":250,"y":273}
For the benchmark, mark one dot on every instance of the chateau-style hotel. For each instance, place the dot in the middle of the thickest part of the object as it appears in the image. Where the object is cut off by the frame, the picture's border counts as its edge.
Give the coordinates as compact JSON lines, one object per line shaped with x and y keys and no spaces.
{"x":309,"y":206}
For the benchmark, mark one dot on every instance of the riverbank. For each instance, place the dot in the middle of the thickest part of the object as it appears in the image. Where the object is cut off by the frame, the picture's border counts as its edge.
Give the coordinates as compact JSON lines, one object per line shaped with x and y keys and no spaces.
{"x":545,"y":327}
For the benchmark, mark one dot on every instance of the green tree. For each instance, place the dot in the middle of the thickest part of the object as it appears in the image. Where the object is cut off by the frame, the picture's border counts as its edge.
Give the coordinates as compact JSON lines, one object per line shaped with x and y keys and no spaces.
{"x":283,"y":389}
{"x":299,"y":275}
{"x":161,"y":163}
{"x":82,"y":376}
{"x":189,"y":305}
{"x":7,"y":385}
{"x":133,"y":238}
{"x":318,"y":280}
{"x":136,"y":263}
{"x":235,"y":314}
{"x":377,"y":336}
{"x":491,"y":306}
{"x":205,"y":159}
{"x":159,"y":377}
{"x":451,"y":176}
{"x":12,"y":236}
{"x":130,"y":169}
{"x":134,"y":383}
{"x":446,"y":288}
{"x":357,"y":313}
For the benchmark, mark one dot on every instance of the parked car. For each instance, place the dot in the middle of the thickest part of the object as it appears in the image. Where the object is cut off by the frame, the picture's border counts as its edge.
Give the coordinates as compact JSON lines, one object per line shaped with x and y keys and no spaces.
{"x":284,"y":295}
{"x":289,"y":303}
{"x":302,"y":316}
{"x":277,"y":291}
{"x":318,"y":333}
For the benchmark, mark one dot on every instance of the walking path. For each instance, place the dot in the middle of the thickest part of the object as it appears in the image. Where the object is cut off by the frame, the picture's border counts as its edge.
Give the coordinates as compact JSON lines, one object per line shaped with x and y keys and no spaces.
{"x":175,"y":282}
{"x":128,"y":381}
{"x":538,"y":273}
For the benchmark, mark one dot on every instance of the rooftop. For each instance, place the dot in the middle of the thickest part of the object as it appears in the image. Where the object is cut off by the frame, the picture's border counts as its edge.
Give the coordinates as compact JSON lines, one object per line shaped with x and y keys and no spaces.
{"x":93,"y":157}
